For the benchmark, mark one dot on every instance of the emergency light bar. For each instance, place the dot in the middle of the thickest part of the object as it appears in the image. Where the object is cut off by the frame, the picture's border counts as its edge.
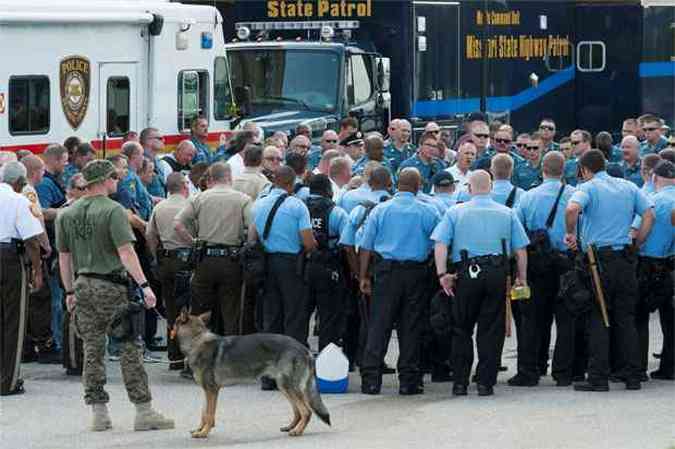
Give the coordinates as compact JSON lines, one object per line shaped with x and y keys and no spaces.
{"x":314,"y":25}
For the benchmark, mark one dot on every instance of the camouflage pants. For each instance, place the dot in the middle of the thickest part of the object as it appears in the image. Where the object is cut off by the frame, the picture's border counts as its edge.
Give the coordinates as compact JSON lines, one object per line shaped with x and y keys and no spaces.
{"x":97,"y":300}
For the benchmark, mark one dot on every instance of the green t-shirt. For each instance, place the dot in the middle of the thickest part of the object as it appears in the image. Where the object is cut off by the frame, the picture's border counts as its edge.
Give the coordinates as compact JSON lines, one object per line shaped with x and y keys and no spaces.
{"x":91,"y":230}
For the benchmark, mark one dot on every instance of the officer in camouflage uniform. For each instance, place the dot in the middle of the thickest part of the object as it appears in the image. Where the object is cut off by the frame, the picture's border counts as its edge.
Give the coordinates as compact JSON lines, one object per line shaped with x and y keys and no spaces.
{"x":95,"y":243}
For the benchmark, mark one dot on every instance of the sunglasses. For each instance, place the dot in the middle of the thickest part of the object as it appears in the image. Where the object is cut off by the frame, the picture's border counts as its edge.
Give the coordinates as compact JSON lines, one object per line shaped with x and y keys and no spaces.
{"x":532,"y":148}
{"x":435,"y":131}
{"x":482,"y":136}
{"x":521,"y":145}
{"x":550,"y":128}
{"x":331,"y":141}
{"x":507,"y":141}
{"x":575,"y":142}
{"x":649,"y":129}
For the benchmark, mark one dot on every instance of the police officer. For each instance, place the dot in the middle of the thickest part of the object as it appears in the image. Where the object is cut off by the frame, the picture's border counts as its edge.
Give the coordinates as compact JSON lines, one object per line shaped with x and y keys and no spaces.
{"x":172,"y":253}
{"x":374,"y":152}
{"x":132,"y":184}
{"x":399,"y":147}
{"x":503,"y":192}
{"x":426,"y":160}
{"x":542,"y":213}
{"x":352,"y":198}
{"x":283,"y":225}
{"x":478,"y":233}
{"x":96,"y":252}
{"x":528,"y":175}
{"x":218,"y":217}
{"x":19,"y":229}
{"x":325,"y":278}
{"x":356,"y":331}
{"x":401,"y":252}
{"x":655,"y":273}
{"x":581,"y":143}
{"x":444,"y":191}
{"x":608,"y":205}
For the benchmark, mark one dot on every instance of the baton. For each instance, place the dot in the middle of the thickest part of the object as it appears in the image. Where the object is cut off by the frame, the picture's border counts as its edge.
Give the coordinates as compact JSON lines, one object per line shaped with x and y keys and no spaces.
{"x":509,"y":312}
{"x":597,"y":285}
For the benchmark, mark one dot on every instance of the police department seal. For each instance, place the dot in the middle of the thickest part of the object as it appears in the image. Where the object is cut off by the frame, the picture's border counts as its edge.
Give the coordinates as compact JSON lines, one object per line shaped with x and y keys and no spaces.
{"x":75,"y":76}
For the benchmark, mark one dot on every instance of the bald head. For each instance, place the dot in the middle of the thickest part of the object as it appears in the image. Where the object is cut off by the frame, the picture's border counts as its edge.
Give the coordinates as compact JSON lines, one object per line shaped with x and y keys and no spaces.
{"x":409,"y":180}
{"x":553,"y":164}
{"x":479,"y":182}
{"x":501,"y":166}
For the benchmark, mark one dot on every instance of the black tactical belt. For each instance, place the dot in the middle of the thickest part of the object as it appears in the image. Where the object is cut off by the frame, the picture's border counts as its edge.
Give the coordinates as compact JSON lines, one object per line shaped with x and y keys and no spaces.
{"x":664,"y":264}
{"x":121,"y":279}
{"x":610,"y":251}
{"x":224,"y":251}
{"x":284,"y":255}
{"x":175,"y":253}
{"x":405,"y":263}
{"x":481,"y":261}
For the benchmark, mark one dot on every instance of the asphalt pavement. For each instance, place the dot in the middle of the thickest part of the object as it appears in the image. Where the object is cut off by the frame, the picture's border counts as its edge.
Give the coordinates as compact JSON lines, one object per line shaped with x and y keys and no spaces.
{"x":52,"y":415}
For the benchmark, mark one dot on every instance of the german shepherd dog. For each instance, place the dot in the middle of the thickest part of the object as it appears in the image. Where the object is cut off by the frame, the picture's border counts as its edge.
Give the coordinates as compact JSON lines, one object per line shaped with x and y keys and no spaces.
{"x":220,"y":361}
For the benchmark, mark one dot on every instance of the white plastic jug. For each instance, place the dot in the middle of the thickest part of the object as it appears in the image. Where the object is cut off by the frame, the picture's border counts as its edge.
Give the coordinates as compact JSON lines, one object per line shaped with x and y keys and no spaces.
{"x":332,"y":370}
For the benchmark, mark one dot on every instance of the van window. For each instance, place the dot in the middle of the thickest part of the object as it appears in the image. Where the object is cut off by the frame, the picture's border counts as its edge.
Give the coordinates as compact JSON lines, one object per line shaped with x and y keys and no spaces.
{"x":117,"y":106}
{"x":222,"y":97}
{"x":193,"y":97}
{"x":28,"y":105}
{"x":359,"y":86}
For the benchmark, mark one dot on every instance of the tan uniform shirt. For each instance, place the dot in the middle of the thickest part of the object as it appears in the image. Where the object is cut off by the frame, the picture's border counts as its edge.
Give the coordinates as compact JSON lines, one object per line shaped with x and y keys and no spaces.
{"x":161,"y":224}
{"x":251,"y":182}
{"x":220,"y":215}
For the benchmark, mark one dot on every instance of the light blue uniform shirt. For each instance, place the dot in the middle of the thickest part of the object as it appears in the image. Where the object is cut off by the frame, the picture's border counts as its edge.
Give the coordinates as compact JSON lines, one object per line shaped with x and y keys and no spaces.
{"x":501,"y":189}
{"x":445,"y":201}
{"x":353,"y":198}
{"x":291,"y":218}
{"x":536,"y":205}
{"x":337,"y":220}
{"x":609,"y":205}
{"x":352,"y":232}
{"x":313,"y":157}
{"x":660,"y":241}
{"x":400,"y":229}
{"x":479,"y":227}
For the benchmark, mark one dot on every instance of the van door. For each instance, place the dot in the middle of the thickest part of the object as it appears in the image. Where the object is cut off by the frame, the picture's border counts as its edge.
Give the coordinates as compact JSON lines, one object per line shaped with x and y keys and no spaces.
{"x":118,"y":100}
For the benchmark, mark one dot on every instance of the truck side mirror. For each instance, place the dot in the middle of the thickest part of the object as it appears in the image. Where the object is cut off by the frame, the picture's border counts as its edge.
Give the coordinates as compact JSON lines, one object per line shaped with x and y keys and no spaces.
{"x":242,"y":97}
{"x":383,"y":74}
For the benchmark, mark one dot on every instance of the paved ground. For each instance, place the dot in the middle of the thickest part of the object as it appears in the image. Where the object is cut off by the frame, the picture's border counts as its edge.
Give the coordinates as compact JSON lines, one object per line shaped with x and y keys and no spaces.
{"x":52,"y":415}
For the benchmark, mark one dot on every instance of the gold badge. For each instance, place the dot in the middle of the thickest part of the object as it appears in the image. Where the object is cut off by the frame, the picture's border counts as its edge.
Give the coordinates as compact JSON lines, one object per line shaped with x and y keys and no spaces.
{"x":75,"y":76}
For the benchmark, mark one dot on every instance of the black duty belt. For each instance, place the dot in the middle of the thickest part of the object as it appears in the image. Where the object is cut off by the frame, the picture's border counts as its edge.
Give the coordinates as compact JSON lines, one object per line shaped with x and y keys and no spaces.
{"x":492,"y":260}
{"x":610,"y":251}
{"x":9,"y":247}
{"x":222,"y":251}
{"x":664,"y":264}
{"x":290,"y":256}
{"x":405,"y":264}
{"x":182,"y":253}
{"x":121,"y":279}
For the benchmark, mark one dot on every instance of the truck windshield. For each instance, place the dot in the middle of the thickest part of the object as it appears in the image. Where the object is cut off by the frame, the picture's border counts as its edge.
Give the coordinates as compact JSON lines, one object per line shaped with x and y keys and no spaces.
{"x":280,"y":79}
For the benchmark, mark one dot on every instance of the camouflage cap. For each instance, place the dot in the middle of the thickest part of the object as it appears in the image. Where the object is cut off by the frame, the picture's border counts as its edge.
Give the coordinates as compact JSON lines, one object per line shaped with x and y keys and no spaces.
{"x":97,"y":171}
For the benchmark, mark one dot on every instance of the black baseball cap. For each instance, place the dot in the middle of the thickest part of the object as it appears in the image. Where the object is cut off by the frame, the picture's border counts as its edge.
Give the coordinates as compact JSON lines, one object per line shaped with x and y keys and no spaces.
{"x":443,"y":179}
{"x":665,"y":169}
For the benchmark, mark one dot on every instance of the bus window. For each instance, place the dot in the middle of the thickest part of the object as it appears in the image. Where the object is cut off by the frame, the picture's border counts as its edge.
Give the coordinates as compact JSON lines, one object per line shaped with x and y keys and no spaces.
{"x":193,"y":95}
{"x":222,"y":97}
{"x":28,"y":105}
{"x":117,"y":106}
